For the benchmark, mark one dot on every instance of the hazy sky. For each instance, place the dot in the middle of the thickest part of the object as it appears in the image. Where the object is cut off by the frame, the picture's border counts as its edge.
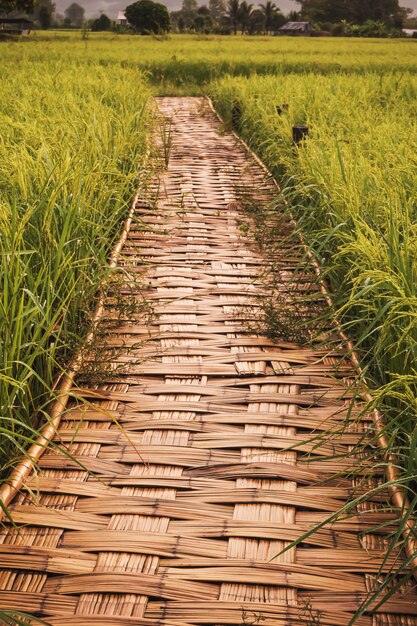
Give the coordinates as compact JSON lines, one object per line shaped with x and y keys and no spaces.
{"x":111,"y":7}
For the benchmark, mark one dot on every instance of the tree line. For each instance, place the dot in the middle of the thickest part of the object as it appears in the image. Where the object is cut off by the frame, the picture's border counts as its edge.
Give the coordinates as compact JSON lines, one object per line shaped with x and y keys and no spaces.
{"x":146,"y":16}
{"x":378,"y":18}
{"x":217,"y":16}
{"x":388,"y":12}
{"x":225,"y":17}
{"x":339,"y":17}
{"x":43,"y":12}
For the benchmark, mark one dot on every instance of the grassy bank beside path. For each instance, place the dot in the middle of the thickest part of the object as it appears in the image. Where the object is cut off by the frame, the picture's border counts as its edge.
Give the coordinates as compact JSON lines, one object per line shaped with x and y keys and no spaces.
{"x":72,"y":136}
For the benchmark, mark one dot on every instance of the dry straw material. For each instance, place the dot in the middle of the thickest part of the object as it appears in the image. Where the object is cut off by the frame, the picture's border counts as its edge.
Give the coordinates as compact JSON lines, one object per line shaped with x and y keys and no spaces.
{"x":193,"y":463}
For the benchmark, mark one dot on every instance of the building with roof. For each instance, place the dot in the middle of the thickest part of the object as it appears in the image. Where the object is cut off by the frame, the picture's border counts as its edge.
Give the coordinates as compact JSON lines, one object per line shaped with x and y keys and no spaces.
{"x":15,"y":26}
{"x":121,"y":19}
{"x":296,"y":28}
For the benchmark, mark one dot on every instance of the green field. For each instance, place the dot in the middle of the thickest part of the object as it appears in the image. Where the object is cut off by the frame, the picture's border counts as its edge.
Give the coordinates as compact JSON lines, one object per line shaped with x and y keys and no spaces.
{"x":71,"y":140}
{"x":189,"y":62}
{"x":66,"y":175}
{"x":353,"y":188}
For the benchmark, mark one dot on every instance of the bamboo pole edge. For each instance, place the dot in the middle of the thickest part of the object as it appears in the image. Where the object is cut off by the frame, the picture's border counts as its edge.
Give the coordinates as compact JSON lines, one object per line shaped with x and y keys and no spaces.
{"x":64,"y":383}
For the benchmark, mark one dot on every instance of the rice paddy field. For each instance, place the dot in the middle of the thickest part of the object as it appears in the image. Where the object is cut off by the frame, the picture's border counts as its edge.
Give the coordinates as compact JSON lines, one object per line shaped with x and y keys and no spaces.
{"x":75,"y":116}
{"x":72,"y":137}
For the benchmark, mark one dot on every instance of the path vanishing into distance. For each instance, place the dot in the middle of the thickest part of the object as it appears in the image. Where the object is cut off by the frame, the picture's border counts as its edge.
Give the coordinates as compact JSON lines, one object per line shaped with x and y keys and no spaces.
{"x":200,"y":437}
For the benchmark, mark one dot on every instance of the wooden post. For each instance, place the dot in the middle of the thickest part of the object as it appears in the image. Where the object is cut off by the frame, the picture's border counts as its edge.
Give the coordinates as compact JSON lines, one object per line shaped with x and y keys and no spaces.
{"x":282,"y":108}
{"x":299,"y":133}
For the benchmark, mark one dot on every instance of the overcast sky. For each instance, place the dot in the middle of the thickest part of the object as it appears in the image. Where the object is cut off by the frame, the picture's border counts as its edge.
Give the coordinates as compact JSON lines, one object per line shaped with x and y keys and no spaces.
{"x":111,"y":7}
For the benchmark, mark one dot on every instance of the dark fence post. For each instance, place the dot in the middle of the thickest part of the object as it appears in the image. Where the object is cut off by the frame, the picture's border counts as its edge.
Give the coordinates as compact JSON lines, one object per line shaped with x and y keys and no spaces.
{"x":299,"y":133}
{"x":282,"y":108}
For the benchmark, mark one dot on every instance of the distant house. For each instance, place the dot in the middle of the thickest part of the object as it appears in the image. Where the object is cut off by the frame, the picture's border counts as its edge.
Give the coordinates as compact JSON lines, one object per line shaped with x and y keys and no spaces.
{"x":15,"y":26}
{"x":296,"y":28}
{"x":409,"y":32}
{"x":121,"y":19}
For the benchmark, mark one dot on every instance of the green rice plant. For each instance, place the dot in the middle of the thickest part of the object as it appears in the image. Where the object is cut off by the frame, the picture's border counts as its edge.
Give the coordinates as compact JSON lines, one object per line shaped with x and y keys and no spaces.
{"x":165,"y":135}
{"x":67,"y":176}
{"x":188,"y":64}
{"x":353,"y":191}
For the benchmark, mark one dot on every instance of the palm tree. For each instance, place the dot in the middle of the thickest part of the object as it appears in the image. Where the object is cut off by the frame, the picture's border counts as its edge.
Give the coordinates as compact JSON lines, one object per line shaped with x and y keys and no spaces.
{"x":233,"y":13}
{"x":245,"y":11}
{"x":269,"y":10}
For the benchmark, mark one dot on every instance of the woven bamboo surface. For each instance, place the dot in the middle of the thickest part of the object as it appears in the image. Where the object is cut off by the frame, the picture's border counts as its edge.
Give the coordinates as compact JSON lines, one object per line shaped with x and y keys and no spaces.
{"x":200,"y":441}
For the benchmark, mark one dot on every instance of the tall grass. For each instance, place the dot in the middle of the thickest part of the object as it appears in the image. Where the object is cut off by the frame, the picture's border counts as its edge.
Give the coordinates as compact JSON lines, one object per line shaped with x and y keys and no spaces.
{"x":352,"y":185}
{"x":71,"y":140}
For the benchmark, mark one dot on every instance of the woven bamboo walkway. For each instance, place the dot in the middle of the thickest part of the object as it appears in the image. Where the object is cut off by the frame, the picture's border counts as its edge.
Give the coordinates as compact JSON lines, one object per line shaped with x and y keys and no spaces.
{"x":184,"y":513}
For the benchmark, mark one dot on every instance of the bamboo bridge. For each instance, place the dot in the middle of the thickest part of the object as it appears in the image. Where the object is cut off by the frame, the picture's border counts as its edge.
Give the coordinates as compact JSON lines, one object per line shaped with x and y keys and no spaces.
{"x":176,"y":481}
